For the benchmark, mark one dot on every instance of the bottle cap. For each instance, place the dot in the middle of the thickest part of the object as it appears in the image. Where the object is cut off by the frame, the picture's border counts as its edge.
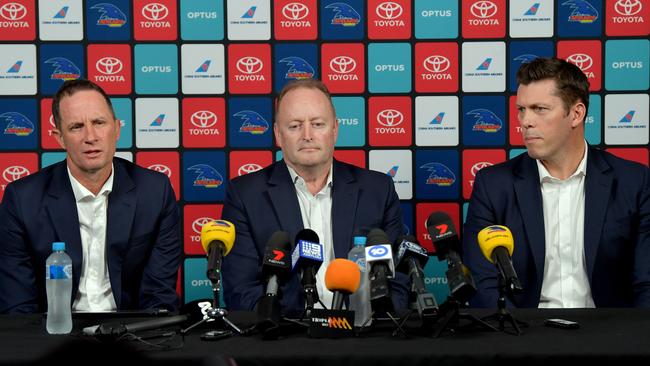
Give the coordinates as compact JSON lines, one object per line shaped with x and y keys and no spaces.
{"x":359,"y":240}
{"x":58,"y":246}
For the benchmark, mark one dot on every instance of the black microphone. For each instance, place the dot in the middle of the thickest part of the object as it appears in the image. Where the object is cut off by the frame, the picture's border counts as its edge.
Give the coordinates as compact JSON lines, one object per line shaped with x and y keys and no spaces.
{"x":306,"y":259}
{"x":446,"y":243}
{"x":379,"y":259}
{"x":192,"y":311}
{"x":411,"y":258}
{"x":276,"y":267}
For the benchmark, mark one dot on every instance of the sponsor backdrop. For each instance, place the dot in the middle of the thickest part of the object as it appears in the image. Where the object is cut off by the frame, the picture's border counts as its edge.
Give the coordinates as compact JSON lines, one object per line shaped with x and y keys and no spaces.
{"x":424,"y":90}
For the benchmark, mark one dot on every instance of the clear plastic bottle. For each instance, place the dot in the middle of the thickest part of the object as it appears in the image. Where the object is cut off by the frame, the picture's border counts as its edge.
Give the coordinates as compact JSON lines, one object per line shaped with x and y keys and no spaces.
{"x":58,"y":284}
{"x":360,"y":300}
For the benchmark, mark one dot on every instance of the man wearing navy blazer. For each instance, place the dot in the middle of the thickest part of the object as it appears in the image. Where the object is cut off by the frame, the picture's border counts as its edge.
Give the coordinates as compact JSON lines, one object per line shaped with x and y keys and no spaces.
{"x":307,"y":189}
{"x":579,"y":216}
{"x":120,"y":222}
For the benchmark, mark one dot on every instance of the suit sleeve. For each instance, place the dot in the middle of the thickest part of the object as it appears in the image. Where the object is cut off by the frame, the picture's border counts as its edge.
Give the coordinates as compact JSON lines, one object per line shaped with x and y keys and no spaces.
{"x":242,"y":287}
{"x":158,"y":286}
{"x":18,"y":293}
{"x":642,"y":250}
{"x":479,"y":215}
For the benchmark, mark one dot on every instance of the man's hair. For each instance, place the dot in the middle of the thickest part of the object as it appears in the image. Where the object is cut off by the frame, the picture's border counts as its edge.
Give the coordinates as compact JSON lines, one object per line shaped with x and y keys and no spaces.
{"x":571,"y":83}
{"x":69,"y":88}
{"x":307,"y":84}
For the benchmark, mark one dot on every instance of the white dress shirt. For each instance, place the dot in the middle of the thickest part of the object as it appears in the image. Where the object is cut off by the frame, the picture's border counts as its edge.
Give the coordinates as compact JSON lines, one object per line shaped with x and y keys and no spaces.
{"x":316,"y":212}
{"x":94,"y":293}
{"x":565,"y":283}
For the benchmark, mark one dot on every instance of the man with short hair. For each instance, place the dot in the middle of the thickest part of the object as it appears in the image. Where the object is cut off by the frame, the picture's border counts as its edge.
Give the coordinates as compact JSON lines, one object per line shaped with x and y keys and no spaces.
{"x":580,"y":217}
{"x":308,"y":188}
{"x":120,"y":222}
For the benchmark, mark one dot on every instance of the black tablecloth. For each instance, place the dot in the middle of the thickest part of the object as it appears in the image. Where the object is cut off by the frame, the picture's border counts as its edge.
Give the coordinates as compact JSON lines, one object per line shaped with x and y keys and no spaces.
{"x":605,"y":335}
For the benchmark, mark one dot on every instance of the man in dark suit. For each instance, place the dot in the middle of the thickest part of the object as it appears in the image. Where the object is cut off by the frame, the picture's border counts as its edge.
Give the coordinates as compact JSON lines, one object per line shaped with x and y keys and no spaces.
{"x":120,"y":222}
{"x":579,"y":216}
{"x":307,"y":189}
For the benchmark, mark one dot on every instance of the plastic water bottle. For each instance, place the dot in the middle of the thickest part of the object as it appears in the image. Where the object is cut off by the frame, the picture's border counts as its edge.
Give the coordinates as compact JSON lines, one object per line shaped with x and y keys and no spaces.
{"x":360,"y":300}
{"x":58,"y":284}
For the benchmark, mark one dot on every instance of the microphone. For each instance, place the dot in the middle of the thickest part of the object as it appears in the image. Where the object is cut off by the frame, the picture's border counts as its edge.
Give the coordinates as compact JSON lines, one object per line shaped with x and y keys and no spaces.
{"x":497,"y":246}
{"x":342,"y":278}
{"x":275,"y":267}
{"x":379,"y":259}
{"x":192,"y":311}
{"x":306,"y":259}
{"x":411,"y":257}
{"x":446,"y":243}
{"x":217,"y":238}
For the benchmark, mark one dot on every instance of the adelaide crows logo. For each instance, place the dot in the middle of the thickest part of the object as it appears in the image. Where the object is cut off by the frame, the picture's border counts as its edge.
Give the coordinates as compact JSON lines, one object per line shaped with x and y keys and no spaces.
{"x":17,"y":124}
{"x":485,"y":120}
{"x":440,"y":174}
{"x":525,"y":58}
{"x":207,"y":176}
{"x":110,"y":15}
{"x":582,"y":11}
{"x":344,"y":15}
{"x":298,"y":68}
{"x":64,"y":69}
{"x":252,"y":122}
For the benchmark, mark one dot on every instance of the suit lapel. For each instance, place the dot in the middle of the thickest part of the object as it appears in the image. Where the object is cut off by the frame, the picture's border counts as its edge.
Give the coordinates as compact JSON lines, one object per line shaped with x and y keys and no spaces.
{"x":345,"y":193}
{"x":62,"y":210}
{"x":282,"y":194}
{"x":529,"y":199}
{"x":121,"y":213}
{"x":597,"y":190}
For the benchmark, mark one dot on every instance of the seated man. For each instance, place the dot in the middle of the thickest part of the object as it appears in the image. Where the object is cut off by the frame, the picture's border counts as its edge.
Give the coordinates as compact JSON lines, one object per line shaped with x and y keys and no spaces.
{"x":580,"y":217}
{"x":307,"y":189}
{"x":120,"y":222}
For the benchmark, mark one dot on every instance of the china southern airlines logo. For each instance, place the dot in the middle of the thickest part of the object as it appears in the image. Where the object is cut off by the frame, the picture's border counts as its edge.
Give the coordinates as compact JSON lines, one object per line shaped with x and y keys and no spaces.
{"x":207,"y":176}
{"x":438,"y":119}
{"x":16,"y":67}
{"x":582,"y":11}
{"x":110,"y":15}
{"x":344,"y":15}
{"x":61,"y":13}
{"x":532,"y":11}
{"x":627,"y":118}
{"x":204,"y":66}
{"x":393,"y":171}
{"x":485,"y":120}
{"x":252,"y":122}
{"x":158,"y":121}
{"x":525,"y":58}
{"x":485,"y":65}
{"x":64,"y":69}
{"x":250,"y":13}
{"x":17,"y":124}
{"x":298,"y":68}
{"x":439,"y":174}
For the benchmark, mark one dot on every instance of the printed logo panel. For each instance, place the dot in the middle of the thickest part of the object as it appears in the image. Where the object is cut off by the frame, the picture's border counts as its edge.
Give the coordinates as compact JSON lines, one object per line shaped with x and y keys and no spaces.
{"x":343,"y":66}
{"x":249,"y":67}
{"x":155,"y":20}
{"x":397,"y":164}
{"x":587,"y":55}
{"x":389,"y":19}
{"x":580,"y":18}
{"x":627,"y":64}
{"x":354,"y":157}
{"x":626,"y":119}
{"x":244,"y":162}
{"x":342,"y":19}
{"x":436,"y":67}
{"x":156,"y":68}
{"x":203,"y":69}
{"x":108,"y":20}
{"x":294,"y":61}
{"x":484,"y":120}
{"x":202,"y":20}
{"x":436,"y":19}
{"x":484,"y":18}
{"x":109,"y":66}
{"x":531,"y":18}
{"x":165,"y":162}
{"x":14,"y":166}
{"x":523,"y":52}
{"x":389,"y":68}
{"x":484,"y":67}
{"x":204,"y":176}
{"x":17,"y":69}
{"x":250,"y":122}
{"x":627,"y":18}
{"x":59,"y":63}
{"x":436,"y":121}
{"x":249,"y":20}
{"x":351,"y":117}
{"x":156,"y":122}
{"x":475,"y":160}
{"x":18,"y":124}
{"x":17,"y":20}
{"x":204,"y":122}
{"x":390,"y":121}
{"x":295,"y":20}
{"x":437,"y":174}
{"x":194,"y":217}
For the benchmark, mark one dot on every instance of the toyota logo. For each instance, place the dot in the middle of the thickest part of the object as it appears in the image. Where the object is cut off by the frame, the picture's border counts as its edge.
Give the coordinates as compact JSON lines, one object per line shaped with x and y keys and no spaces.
{"x":14,"y":172}
{"x":343,"y":64}
{"x":389,"y":10}
{"x":628,"y":7}
{"x":436,"y":63}
{"x":295,"y":11}
{"x":249,"y":65}
{"x":155,"y":11}
{"x":248,"y":168}
{"x":161,"y":169}
{"x":198,"y":224}
{"x":483,"y":9}
{"x":478,"y":166}
{"x":203,"y":119}
{"x":13,"y":11}
{"x":109,"y":65}
{"x":583,"y":61}
{"x":390,"y":117}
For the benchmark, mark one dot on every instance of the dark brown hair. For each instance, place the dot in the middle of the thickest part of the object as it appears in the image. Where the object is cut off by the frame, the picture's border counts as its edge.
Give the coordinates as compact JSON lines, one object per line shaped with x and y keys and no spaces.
{"x":70,"y":87}
{"x":571,"y":83}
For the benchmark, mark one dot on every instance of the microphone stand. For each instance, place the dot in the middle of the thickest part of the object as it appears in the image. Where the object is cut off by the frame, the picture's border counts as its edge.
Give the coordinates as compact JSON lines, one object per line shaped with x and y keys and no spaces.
{"x":503,"y":315}
{"x":450,"y":316}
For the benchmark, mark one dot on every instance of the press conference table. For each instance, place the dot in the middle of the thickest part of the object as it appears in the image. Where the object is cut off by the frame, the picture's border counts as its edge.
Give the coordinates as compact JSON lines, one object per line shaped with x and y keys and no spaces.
{"x":604,"y":336}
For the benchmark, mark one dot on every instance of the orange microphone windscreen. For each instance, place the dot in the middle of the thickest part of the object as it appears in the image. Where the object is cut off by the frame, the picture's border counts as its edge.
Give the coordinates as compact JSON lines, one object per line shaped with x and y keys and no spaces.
{"x":342,"y":275}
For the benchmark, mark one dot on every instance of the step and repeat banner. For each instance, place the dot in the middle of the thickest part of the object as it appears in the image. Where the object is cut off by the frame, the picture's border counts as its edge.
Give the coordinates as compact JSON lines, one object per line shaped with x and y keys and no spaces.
{"x":423,"y":89}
